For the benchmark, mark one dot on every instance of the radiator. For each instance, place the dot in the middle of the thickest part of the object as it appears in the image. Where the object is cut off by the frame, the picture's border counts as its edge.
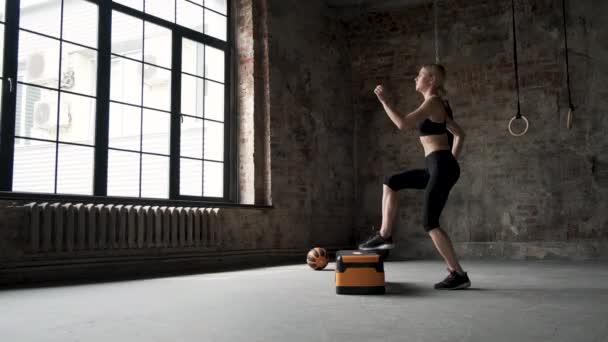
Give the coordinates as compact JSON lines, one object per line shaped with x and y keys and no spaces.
{"x":67,"y":227}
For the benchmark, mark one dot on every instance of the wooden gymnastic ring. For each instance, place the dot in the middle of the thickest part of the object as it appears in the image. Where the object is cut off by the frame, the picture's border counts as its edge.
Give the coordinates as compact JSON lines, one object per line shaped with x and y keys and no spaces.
{"x":525,"y":129}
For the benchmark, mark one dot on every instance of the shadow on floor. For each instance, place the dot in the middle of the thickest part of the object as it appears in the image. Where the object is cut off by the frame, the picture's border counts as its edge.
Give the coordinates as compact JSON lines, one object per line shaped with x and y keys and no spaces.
{"x":410,"y":289}
{"x":406,"y":289}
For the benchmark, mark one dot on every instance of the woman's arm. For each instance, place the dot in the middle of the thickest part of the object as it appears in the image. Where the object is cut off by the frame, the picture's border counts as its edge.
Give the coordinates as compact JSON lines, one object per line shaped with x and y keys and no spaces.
{"x":408,"y":121}
{"x":459,"y":136}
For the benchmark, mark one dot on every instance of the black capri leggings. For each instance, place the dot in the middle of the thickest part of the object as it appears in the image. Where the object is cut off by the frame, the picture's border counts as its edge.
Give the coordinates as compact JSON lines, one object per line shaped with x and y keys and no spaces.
{"x":441,"y":173}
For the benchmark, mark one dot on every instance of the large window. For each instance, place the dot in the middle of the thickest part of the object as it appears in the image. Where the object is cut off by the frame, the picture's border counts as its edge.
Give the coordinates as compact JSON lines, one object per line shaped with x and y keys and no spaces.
{"x":2,"y":24}
{"x":56,"y":89}
{"x":115,"y":99}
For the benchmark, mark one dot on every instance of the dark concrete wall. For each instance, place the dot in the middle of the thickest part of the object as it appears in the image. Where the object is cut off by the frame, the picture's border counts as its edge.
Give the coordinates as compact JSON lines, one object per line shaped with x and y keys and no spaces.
{"x":543,"y":194}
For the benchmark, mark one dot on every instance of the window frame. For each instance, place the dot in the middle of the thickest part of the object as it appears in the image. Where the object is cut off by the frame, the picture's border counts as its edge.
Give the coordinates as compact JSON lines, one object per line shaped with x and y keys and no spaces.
{"x":101,"y":148}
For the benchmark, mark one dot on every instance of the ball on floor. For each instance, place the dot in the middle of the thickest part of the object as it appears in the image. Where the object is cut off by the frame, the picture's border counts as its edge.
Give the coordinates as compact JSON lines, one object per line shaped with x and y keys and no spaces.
{"x":317,"y":258}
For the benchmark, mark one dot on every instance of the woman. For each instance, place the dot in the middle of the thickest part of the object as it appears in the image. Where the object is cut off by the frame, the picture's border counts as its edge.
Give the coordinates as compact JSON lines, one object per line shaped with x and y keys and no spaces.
{"x":433,"y":119}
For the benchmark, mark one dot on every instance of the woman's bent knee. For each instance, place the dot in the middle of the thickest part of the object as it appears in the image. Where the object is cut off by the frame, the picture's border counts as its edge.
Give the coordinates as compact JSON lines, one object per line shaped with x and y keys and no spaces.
{"x":430,"y":229}
{"x":390,"y":183}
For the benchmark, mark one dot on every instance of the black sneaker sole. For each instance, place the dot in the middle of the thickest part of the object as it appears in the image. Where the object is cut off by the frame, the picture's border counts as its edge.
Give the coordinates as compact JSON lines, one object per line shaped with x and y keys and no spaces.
{"x":381,"y":247}
{"x":459,"y":287}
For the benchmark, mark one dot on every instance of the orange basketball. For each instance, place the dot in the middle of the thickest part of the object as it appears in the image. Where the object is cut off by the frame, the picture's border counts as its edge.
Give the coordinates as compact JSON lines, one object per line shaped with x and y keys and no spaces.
{"x":317,"y":258}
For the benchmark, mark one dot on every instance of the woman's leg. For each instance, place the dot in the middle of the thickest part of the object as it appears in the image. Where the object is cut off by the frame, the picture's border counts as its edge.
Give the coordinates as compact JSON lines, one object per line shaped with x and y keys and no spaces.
{"x":444,"y":172}
{"x":446,"y":249}
{"x":458,"y":278}
{"x":411,"y":179}
{"x":389,"y":210}
{"x":436,"y":197}
{"x":384,"y":193}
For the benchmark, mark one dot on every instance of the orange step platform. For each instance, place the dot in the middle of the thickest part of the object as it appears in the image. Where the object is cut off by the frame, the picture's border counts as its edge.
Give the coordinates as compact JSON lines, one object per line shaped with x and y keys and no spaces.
{"x":359,"y":272}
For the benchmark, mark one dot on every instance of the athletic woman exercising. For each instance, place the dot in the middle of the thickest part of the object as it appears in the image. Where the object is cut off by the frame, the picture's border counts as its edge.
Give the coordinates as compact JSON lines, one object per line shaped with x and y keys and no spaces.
{"x":433,"y":119}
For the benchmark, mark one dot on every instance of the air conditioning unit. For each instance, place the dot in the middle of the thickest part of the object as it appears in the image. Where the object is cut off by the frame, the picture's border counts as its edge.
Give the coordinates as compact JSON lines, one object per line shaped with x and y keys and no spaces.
{"x":43,"y":68}
{"x":45,"y":118}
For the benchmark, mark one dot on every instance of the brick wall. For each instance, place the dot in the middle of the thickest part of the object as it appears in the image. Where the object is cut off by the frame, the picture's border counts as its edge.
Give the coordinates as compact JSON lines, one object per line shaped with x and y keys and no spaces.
{"x":302,"y":105}
{"x":549,"y":186}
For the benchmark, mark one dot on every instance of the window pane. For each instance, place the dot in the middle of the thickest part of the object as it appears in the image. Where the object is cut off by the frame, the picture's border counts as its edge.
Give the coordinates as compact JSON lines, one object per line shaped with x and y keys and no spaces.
{"x":156,"y":128}
{"x":37,"y":115}
{"x":214,"y":64}
{"x":79,"y":69}
{"x":154,"y":176}
{"x":164,"y":9}
{"x":39,"y":59}
{"x":34,"y":166}
{"x":157,"y":88}
{"x":127,"y":35}
{"x":191,"y":140}
{"x":80,"y":22}
{"x":2,"y":7}
{"x":75,"y":170}
{"x":123,"y":173}
{"x":214,"y":141}
{"x":192,"y":95}
{"x":42,"y":16}
{"x":158,"y":45}
{"x":214,"y":179}
{"x":125,"y":124}
{"x":125,"y":81}
{"x":215,"y":25}
{"x":190,"y":15}
{"x":77,"y":119}
{"x":191,"y":177}
{"x":217,"y":5}
{"x":1,"y":43}
{"x":24,"y":111}
{"x":2,"y":4}
{"x":137,"y":4}
{"x":193,"y":57}
{"x":214,"y":101}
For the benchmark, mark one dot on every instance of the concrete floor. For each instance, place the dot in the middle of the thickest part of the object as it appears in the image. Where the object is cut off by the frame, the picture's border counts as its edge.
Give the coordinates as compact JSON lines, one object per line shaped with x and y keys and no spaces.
{"x":509,"y":301}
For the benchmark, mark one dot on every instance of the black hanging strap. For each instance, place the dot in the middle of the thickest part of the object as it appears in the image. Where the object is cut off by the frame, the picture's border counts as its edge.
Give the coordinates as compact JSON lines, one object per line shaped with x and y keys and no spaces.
{"x":436,"y":27}
{"x":518,"y":115}
{"x":566,"y":53}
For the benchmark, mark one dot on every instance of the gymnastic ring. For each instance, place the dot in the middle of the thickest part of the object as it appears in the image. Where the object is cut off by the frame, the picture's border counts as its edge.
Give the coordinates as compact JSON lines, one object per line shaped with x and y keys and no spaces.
{"x":525,"y":129}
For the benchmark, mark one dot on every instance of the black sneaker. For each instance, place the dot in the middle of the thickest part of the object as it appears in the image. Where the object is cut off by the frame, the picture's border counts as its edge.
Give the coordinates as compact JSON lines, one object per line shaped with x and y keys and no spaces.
{"x":377,"y":242}
{"x":454,"y":281}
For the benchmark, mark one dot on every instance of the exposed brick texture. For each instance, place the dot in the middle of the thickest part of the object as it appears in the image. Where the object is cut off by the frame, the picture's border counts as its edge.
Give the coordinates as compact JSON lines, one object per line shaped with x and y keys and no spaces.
{"x":547,"y":186}
{"x":297,"y":126}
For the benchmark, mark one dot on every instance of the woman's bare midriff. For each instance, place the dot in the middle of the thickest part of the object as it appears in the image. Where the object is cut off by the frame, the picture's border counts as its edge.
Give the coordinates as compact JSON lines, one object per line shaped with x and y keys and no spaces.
{"x":432,"y":143}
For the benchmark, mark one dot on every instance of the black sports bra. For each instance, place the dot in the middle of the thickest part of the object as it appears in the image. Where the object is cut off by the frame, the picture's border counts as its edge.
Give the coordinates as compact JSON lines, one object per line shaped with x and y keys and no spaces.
{"x":428,"y":127}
